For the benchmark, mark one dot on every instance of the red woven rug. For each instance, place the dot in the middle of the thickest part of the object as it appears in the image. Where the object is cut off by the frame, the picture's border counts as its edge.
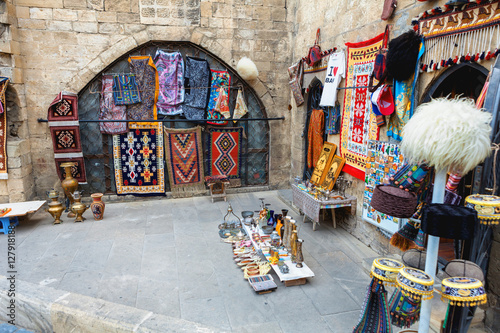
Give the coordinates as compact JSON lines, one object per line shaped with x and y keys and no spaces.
{"x":225,"y":152}
{"x":358,"y":122}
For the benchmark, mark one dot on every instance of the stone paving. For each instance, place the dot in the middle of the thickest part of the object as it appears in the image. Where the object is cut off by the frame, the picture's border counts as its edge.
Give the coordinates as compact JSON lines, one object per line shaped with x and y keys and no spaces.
{"x":165,"y":256}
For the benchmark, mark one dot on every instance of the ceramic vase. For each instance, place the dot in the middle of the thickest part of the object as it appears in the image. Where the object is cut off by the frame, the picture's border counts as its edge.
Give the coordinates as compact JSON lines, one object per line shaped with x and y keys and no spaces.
{"x":97,"y":206}
{"x":69,"y":184}
{"x":299,"y":258}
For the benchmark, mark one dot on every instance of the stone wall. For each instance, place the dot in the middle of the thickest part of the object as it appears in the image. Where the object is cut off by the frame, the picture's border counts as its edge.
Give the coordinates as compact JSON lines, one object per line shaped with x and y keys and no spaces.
{"x":63,"y":44}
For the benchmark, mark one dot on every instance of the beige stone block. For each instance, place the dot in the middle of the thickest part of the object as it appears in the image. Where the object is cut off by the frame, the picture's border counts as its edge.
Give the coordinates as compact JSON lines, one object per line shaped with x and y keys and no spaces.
{"x":22,"y":12}
{"x":130,"y":29}
{"x":141,"y":37}
{"x":261,"y":13}
{"x":118,"y":6}
{"x":134,"y":6}
{"x":75,"y":4}
{"x":17,"y":173}
{"x":221,"y":10}
{"x":88,"y":27}
{"x":110,"y":28}
{"x":40,"y":3}
{"x":41,"y":13}
{"x":95,"y":4}
{"x":65,"y":15}
{"x":169,"y":33}
{"x":118,"y":49}
{"x":31,"y":24}
{"x":106,"y":16}
{"x":92,"y":39}
{"x":59,"y":25}
{"x":17,"y":147}
{"x":128,"y":17}
{"x":206,"y":9}
{"x":278,"y":14}
{"x":17,"y":75}
{"x":18,"y":61}
{"x":204,"y":22}
{"x":3,"y":186}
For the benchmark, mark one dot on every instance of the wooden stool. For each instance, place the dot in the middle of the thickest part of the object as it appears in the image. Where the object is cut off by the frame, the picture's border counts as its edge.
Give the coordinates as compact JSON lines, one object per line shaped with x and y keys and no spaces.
{"x":217,"y":185}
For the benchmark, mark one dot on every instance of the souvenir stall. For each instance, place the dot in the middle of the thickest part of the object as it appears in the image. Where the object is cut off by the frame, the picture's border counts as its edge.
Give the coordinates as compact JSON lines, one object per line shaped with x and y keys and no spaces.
{"x":411,"y":178}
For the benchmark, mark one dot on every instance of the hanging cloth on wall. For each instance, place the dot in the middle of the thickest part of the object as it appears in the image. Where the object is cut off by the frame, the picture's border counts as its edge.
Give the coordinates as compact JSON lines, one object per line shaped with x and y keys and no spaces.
{"x":3,"y":129}
{"x":224,"y":152}
{"x":315,"y":137}
{"x":240,"y":109}
{"x":147,"y":80}
{"x":471,"y":34}
{"x":332,"y":125}
{"x":334,"y":74}
{"x":359,"y":124}
{"x":65,"y":132}
{"x":111,"y":111}
{"x":138,"y":161}
{"x":125,"y":90}
{"x":221,"y":80}
{"x":196,"y":81}
{"x":222,"y":105}
{"x":404,"y":92}
{"x":170,"y":67}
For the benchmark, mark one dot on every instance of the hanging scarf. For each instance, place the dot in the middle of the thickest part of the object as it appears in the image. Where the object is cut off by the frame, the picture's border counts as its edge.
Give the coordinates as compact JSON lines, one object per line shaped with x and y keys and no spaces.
{"x":405,"y":311}
{"x":221,"y":80}
{"x":170,"y":67}
{"x":333,"y":120}
{"x":375,"y":316}
{"x":197,"y":82}
{"x":222,"y":105}
{"x":125,"y":90}
{"x":240,"y":108}
{"x":111,"y":111}
{"x":315,"y":137}
{"x":147,"y":80}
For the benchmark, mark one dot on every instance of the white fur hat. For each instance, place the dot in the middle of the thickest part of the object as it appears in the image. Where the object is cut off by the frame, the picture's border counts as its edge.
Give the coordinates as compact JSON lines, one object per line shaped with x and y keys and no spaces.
{"x":449,"y":134}
{"x":247,"y":69}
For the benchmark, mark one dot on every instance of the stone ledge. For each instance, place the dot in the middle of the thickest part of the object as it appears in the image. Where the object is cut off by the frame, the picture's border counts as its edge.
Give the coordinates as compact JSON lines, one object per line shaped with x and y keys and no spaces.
{"x":46,"y":309}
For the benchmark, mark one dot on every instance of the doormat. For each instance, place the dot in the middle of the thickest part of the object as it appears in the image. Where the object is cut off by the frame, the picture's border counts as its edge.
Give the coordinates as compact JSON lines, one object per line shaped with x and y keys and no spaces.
{"x":65,"y":132}
{"x":138,"y":162}
{"x":225,"y":152}
{"x":184,"y":156}
{"x":358,"y":122}
{"x":3,"y":129}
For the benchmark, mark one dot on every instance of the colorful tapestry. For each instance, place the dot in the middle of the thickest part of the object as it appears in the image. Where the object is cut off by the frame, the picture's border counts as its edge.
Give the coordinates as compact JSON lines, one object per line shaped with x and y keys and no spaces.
{"x":404,"y":93}
{"x":170,"y":67}
{"x":358,"y":122}
{"x":184,"y":156}
{"x":315,"y":137}
{"x":3,"y":129}
{"x":469,"y":33}
{"x":125,"y":90}
{"x":332,"y":122}
{"x":225,"y":152}
{"x":374,"y":317}
{"x":147,"y":81}
{"x":65,"y":132}
{"x":77,"y":171}
{"x":197,"y":83}
{"x":138,"y":161}
{"x":221,"y":80}
{"x":64,"y":107}
{"x":110,"y":111}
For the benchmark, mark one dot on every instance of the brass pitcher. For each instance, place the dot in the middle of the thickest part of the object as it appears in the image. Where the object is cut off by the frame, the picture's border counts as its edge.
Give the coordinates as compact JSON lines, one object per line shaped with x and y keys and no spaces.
{"x":78,"y":208}
{"x":55,"y":207}
{"x":69,"y":184}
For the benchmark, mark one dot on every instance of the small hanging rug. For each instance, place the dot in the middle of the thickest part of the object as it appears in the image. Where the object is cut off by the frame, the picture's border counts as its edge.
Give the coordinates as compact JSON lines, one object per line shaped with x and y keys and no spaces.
{"x":225,"y":152}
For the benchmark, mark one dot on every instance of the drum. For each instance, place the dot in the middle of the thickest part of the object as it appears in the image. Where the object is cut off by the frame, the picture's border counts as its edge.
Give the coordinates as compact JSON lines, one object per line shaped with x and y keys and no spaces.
{"x":415,"y":283}
{"x":463,"y":291}
{"x":385,"y":269}
{"x":487,"y":207}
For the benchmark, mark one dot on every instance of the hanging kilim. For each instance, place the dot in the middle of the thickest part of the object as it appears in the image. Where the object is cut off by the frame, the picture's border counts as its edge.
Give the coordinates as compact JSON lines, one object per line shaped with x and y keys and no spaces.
{"x":170,"y":67}
{"x":197,"y":83}
{"x":138,"y":161}
{"x":3,"y":129}
{"x":225,"y":152}
{"x":359,"y":124}
{"x":183,"y":151}
{"x":65,"y":133}
{"x":221,"y":80}
{"x":110,"y":111}
{"x":146,"y":77}
{"x":470,"y":34}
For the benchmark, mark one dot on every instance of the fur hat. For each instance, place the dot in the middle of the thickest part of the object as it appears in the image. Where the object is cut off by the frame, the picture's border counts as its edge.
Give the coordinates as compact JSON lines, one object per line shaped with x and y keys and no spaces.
{"x":448,"y":134}
{"x":402,"y":55}
{"x":247,"y":69}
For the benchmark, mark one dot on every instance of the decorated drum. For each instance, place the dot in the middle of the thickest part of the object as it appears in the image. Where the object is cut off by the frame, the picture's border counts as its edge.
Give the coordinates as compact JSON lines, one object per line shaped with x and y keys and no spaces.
{"x":415,"y":283}
{"x":386,"y":269}
{"x":463,"y":291}
{"x":487,"y":207}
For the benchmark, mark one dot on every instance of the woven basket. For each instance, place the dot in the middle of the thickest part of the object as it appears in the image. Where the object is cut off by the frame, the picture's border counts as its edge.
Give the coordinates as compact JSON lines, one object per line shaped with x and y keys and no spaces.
{"x":394,"y":201}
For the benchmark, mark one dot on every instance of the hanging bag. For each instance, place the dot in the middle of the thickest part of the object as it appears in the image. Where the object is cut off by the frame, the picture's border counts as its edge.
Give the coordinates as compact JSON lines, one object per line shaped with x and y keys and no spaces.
{"x":296,"y":73}
{"x":379,"y":71}
{"x":314,"y":56}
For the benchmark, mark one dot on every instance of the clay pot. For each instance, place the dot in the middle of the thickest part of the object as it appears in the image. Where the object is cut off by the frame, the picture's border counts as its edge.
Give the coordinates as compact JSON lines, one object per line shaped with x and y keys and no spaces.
{"x":97,"y":206}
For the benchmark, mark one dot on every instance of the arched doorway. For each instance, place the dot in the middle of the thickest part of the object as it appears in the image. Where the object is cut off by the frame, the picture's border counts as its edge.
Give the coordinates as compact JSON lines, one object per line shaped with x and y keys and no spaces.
{"x":98,"y":148}
{"x":465,"y":80}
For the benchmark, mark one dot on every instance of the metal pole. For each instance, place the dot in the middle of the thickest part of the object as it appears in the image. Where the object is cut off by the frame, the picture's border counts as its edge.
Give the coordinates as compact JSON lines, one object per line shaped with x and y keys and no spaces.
{"x":432,"y":252}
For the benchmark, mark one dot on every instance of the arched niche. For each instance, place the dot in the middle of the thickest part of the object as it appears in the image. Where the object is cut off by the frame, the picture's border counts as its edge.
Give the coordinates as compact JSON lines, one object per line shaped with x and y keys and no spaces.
{"x":98,"y":148}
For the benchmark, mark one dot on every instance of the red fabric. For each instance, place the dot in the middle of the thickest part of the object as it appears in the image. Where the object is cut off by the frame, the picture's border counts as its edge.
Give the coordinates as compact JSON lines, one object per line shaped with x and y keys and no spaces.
{"x":315,"y":137}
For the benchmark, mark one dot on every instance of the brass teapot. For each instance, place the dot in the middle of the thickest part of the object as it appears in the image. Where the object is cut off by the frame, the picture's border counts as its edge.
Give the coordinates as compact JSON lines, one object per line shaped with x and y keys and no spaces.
{"x":78,"y":208}
{"x":55,"y":207}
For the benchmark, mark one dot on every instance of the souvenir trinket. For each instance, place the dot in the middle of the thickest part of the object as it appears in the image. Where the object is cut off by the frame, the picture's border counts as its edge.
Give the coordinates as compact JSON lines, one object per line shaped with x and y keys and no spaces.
{"x":463,"y":291}
{"x":385,"y":269}
{"x":487,"y":207}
